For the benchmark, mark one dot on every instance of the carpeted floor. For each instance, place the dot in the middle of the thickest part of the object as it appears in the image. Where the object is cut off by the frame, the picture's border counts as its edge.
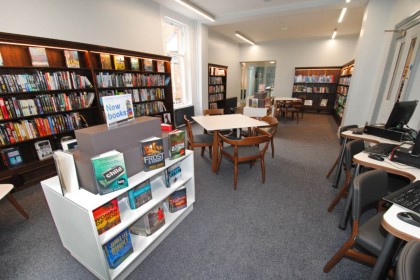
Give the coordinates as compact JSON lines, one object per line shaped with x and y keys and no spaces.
{"x":277,"y":230}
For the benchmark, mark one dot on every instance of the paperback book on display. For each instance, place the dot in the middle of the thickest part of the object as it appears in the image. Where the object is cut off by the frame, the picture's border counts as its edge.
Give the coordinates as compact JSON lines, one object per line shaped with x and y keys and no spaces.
{"x":149,"y":223}
{"x":38,"y":57}
{"x":72,"y":59}
{"x":176,"y":139}
{"x":43,"y":149}
{"x":177,"y":200}
{"x":173,"y":174}
{"x":109,"y":172}
{"x":11,"y":157}
{"x":152,"y":153}
{"x":135,"y":65}
{"x":140,"y":194}
{"x":107,"y":216}
{"x":118,"y":249}
{"x":66,"y":171}
{"x":119,"y":62}
{"x":105,"y":61}
{"x":148,"y":65}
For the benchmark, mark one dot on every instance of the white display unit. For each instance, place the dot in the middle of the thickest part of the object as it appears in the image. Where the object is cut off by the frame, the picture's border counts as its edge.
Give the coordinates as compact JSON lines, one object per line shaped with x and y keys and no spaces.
{"x":76,"y":226}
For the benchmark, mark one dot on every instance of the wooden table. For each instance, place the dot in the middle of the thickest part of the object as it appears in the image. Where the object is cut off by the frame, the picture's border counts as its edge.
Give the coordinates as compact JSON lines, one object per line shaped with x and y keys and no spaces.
{"x":222,"y":122}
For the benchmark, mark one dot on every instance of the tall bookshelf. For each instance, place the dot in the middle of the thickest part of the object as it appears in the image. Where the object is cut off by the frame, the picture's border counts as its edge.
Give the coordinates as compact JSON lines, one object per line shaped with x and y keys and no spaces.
{"x":52,"y":98}
{"x":217,"y":86}
{"x":342,"y":90}
{"x":318,"y":85}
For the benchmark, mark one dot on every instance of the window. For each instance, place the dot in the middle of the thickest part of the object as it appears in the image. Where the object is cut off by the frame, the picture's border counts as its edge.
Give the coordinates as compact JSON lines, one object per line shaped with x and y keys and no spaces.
{"x":174,"y":36}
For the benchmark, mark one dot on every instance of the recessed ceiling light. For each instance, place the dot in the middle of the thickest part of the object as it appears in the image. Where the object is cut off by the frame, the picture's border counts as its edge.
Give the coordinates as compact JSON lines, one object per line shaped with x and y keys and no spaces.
{"x":343,"y":12}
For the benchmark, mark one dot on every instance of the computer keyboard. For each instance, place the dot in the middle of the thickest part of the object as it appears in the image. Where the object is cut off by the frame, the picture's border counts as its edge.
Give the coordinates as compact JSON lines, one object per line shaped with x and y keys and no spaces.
{"x":383,"y":149}
{"x":407,"y":197}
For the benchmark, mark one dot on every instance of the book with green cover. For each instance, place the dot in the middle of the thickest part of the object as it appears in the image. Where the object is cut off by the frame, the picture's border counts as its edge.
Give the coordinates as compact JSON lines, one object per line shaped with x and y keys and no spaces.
{"x":135,"y":65}
{"x":176,"y":139}
{"x":109,"y":172}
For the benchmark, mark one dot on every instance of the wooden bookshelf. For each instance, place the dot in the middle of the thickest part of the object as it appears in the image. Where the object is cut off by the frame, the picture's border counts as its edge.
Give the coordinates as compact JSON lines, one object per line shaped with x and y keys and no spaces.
{"x":52,"y":98}
{"x":342,"y":91}
{"x":217,"y":86}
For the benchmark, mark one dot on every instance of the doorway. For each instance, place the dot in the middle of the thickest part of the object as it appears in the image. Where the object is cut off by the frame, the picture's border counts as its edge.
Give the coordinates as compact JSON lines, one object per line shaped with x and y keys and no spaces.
{"x":257,"y":76}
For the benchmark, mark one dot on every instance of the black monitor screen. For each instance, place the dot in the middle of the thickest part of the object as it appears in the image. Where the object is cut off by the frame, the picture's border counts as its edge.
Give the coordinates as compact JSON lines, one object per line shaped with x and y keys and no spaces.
{"x":401,"y":114}
{"x":416,"y":147}
{"x":230,"y":105}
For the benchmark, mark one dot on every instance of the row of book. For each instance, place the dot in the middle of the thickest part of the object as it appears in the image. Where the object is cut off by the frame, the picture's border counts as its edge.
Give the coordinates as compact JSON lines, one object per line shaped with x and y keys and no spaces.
{"x":119,"y":63}
{"x":138,"y":95}
{"x":216,"y":89}
{"x":215,"y":71}
{"x":149,"y":108}
{"x":342,"y":90}
{"x":106,"y":80}
{"x":216,"y":97}
{"x":44,"y":104}
{"x":314,"y":79}
{"x":345,"y":81}
{"x":302,"y":88}
{"x":42,"y":81}
{"x":215,"y":80}
{"x":13,"y":132}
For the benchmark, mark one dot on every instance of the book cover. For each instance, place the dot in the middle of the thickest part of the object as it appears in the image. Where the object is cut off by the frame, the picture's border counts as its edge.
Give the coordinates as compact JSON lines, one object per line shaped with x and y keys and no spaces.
{"x":140,"y":194}
{"x":149,"y":223}
{"x":160,"y":66}
{"x":11,"y":157}
{"x":72,"y":59}
{"x":118,"y":248}
{"x":119,"y":62}
{"x":176,"y":141}
{"x":177,"y":200}
{"x":172,"y":174}
{"x":148,"y":65}
{"x":152,"y":153}
{"x":1,"y":60}
{"x":107,"y":216}
{"x":135,"y":65}
{"x":109,"y":172}
{"x":167,"y":118}
{"x":66,"y":171}
{"x":43,"y":149}
{"x":323,"y":103}
{"x":105,"y":61}
{"x":38,"y":57}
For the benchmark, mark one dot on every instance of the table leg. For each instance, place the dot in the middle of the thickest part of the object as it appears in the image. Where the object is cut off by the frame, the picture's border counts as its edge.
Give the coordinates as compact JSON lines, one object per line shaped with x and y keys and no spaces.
{"x":339,"y":164}
{"x":215,"y":151}
{"x":385,"y":257}
{"x":347,"y":208}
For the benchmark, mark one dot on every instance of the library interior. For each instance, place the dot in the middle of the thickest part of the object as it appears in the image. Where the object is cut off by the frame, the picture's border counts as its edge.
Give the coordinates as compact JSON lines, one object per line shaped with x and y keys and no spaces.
{"x":193,"y":139}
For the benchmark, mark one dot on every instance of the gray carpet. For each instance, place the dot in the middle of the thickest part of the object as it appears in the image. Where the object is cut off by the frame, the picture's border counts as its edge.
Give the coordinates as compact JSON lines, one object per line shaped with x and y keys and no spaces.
{"x":277,"y":230}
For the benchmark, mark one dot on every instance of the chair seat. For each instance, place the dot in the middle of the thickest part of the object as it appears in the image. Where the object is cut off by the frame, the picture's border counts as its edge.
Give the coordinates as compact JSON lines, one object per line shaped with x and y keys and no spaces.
{"x":370,"y":237}
{"x":245,"y":151}
{"x":5,"y":189}
{"x":203,"y":138}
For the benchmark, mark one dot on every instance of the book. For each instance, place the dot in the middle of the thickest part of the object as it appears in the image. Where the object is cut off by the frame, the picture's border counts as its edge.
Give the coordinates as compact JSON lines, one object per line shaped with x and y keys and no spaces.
{"x":167,"y":118}
{"x":160,"y":66}
{"x":152,"y":153}
{"x":105,"y":61}
{"x":148,"y":65}
{"x":323,"y":103}
{"x":1,"y":60}
{"x":11,"y":157}
{"x":66,"y":171}
{"x":72,"y":59}
{"x":140,"y":194}
{"x":43,"y":149}
{"x":149,"y":223}
{"x":107,"y":216}
{"x":118,"y":248}
{"x":119,"y":62}
{"x":38,"y":57}
{"x":177,"y":200}
{"x":109,"y":172}
{"x":172,"y":174}
{"x":135,"y":65}
{"x":176,"y":143}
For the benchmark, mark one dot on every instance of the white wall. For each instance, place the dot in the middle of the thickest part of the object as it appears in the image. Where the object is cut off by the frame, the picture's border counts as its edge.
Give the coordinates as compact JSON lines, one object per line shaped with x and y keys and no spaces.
{"x":127,"y":24}
{"x":225,"y":51}
{"x":289,"y":54}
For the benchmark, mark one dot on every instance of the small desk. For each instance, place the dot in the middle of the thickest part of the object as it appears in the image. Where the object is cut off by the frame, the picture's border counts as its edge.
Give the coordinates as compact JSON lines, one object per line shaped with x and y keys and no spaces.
{"x":222,"y":122}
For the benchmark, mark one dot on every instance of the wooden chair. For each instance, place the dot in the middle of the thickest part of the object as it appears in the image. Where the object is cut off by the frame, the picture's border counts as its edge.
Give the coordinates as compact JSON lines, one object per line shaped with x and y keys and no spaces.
{"x":198,"y":140}
{"x":293,"y":107}
{"x":5,"y":191}
{"x":244,"y":150}
{"x":271,"y":128}
{"x":369,"y":188}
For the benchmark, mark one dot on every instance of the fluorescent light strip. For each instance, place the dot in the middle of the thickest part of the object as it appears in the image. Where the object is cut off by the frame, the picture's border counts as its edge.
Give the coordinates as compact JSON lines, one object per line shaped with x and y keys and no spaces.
{"x":244,"y":38}
{"x":197,"y":9}
{"x":343,"y":12}
{"x":334,"y":34}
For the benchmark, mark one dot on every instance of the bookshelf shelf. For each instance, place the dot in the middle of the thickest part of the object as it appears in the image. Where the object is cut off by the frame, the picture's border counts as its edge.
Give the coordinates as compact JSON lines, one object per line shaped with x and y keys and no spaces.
{"x":217,"y":75}
{"x":342,"y":91}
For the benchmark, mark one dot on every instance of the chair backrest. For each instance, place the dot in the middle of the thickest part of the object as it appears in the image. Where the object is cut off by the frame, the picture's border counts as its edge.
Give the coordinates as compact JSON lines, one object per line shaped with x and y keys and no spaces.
{"x":211,"y":112}
{"x":262,"y":137}
{"x":352,"y":148}
{"x":368,"y":188}
{"x":345,"y":128}
{"x":273,"y":123}
{"x":408,"y":267}
{"x":190,"y":135}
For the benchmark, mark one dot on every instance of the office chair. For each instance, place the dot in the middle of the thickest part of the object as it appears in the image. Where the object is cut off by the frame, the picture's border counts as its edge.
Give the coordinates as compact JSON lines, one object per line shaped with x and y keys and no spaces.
{"x":5,"y":191}
{"x":352,"y":148}
{"x":369,"y":189}
{"x":408,"y":266}
{"x":198,"y":140}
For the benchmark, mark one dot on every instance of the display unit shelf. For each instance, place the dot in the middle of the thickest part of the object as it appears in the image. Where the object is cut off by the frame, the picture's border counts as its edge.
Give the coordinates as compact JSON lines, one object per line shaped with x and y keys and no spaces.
{"x":74,"y":220}
{"x":342,"y":91}
{"x":217,"y":86}
{"x":318,"y":86}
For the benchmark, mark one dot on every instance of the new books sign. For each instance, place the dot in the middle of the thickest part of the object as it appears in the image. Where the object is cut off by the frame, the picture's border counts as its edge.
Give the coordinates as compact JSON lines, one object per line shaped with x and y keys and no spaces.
{"x":118,"y":108}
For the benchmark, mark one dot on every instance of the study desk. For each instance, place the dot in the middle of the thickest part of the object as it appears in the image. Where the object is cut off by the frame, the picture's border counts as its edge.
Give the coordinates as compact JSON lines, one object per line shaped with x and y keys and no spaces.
{"x":222,"y":122}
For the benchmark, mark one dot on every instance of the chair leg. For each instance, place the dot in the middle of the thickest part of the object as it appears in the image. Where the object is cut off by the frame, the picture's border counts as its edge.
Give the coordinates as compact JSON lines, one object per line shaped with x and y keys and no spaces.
{"x":12,"y":200}
{"x":202,"y":150}
{"x":272,"y":148}
{"x":263,"y":169}
{"x":342,"y":192}
{"x":211,"y":151}
{"x":235,"y":175}
{"x":332,"y":168}
{"x":219,"y":160}
{"x":339,"y":255}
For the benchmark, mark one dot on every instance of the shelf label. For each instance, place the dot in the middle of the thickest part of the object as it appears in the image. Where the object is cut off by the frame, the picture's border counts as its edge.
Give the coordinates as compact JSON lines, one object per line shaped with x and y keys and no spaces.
{"x":118,"y":108}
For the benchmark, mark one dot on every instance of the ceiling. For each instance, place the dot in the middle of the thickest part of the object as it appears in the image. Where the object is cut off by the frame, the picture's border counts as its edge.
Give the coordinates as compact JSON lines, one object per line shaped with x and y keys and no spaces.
{"x":272,"y":20}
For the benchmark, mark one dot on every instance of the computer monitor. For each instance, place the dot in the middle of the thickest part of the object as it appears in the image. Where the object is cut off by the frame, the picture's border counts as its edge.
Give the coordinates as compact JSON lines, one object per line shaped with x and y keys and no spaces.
{"x":416,"y":147}
{"x":230,"y":105}
{"x":401,"y":114}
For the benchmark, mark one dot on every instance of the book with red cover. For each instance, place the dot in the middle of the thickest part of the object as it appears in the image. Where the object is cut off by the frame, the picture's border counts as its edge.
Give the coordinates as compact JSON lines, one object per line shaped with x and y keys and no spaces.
{"x":107,"y":216}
